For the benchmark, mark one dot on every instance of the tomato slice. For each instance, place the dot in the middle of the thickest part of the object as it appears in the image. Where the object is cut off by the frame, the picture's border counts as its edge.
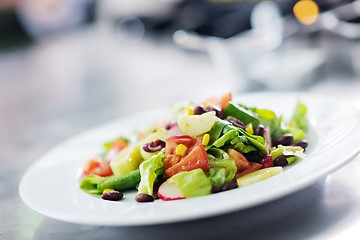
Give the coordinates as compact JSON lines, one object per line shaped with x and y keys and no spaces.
{"x":224,"y":100}
{"x":220,"y":101}
{"x":173,"y":141}
{"x":98,"y":167}
{"x":170,"y":160}
{"x":116,"y":146}
{"x":196,"y":158}
{"x":119,"y":144}
{"x":267,"y":161}
{"x":240,"y":161}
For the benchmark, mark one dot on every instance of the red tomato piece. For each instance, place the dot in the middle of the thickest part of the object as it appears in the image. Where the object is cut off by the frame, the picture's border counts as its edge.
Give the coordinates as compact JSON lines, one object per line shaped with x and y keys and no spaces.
{"x":267,"y":161}
{"x":196,"y":158}
{"x":225,"y":99}
{"x":220,"y":101}
{"x":170,"y":160}
{"x":119,"y":144}
{"x":98,"y":167}
{"x":173,"y":141}
{"x":116,"y":146}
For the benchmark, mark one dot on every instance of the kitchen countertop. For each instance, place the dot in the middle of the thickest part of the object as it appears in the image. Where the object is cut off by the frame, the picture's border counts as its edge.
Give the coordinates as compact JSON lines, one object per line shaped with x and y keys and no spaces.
{"x":70,"y":83}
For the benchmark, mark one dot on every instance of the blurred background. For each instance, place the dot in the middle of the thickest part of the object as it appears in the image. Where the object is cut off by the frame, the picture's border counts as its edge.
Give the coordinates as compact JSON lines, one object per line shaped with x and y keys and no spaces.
{"x":60,"y":58}
{"x":68,"y":65}
{"x":63,"y":56}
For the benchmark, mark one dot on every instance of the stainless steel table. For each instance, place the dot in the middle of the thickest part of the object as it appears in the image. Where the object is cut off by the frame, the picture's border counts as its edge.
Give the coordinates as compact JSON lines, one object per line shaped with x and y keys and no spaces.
{"x":63,"y":86}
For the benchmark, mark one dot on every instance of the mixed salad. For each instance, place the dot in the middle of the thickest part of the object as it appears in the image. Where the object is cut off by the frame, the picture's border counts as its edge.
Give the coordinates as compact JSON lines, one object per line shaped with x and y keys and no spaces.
{"x":200,"y":149}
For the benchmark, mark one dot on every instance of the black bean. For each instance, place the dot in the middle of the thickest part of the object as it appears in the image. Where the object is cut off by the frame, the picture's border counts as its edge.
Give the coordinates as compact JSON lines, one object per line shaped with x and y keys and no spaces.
{"x":259,"y":130}
{"x":170,"y":126}
{"x":112,"y":196}
{"x":253,"y":156}
{"x":280,"y":161}
{"x":154,"y":146}
{"x":215,"y":189}
{"x":285,"y":140}
{"x":303,"y":144}
{"x":215,"y":108}
{"x":198,"y":110}
{"x":142,"y":197}
{"x":229,"y":185}
{"x":236,"y":122}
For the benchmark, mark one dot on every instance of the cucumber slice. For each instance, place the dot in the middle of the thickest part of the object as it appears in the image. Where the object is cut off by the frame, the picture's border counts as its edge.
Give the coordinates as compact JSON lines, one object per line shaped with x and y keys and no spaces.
{"x":195,"y":125}
{"x":258,"y":176}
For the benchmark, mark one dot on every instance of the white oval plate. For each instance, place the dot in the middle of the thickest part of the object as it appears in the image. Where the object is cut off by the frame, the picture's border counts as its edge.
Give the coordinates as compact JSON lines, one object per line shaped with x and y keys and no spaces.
{"x":51,"y":185}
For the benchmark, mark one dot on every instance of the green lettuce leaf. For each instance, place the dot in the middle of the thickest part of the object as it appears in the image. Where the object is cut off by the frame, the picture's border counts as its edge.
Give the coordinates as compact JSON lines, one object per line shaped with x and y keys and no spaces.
{"x":192,"y":183}
{"x":298,"y":124}
{"x":269,"y":119}
{"x":257,"y":141}
{"x":241,"y":113}
{"x":224,"y":133}
{"x":222,"y":167}
{"x":297,"y":133}
{"x":226,"y":138}
{"x":216,"y":131}
{"x":299,"y":117}
{"x":243,"y":148}
{"x":149,"y":170}
{"x":290,"y":152}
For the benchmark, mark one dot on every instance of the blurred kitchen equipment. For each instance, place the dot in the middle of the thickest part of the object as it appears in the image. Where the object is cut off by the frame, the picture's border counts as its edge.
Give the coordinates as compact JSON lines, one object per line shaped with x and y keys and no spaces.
{"x":344,"y":22}
{"x":287,"y":69}
{"x":43,"y":17}
{"x":130,"y":30}
{"x":115,"y":9}
{"x":237,"y":52}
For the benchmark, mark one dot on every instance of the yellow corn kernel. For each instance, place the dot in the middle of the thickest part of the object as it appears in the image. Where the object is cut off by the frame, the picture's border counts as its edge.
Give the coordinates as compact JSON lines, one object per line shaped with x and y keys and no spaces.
{"x":108,"y":190}
{"x":180,"y":149}
{"x":249,"y":128}
{"x":160,"y":130}
{"x":206,"y":139}
{"x":189,"y":111}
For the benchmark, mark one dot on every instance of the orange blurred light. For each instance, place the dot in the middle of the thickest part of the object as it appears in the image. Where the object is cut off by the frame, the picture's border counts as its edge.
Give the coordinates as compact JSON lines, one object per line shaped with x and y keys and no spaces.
{"x":306,"y":11}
